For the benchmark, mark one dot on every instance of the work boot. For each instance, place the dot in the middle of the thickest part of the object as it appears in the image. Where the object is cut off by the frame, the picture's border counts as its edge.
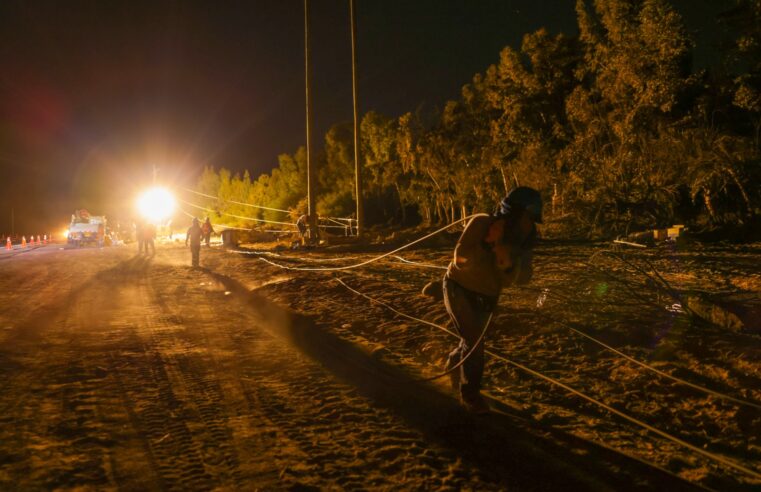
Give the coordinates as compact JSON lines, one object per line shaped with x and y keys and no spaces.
{"x":454,"y":376}
{"x":475,"y":404}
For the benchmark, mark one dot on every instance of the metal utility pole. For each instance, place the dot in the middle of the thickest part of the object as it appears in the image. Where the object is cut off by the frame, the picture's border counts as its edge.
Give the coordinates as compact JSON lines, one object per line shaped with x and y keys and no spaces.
{"x":357,"y":166}
{"x":311,"y":212}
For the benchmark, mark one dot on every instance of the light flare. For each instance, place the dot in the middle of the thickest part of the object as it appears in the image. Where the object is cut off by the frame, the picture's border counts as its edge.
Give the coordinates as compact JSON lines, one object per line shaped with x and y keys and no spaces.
{"x":156,"y":204}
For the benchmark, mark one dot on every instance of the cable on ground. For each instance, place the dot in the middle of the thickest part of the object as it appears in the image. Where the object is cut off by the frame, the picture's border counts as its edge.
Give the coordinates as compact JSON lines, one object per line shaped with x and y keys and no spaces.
{"x":644,"y":425}
{"x":371,"y":260}
{"x":651,"y":368}
{"x":644,"y":365}
{"x":462,"y":360}
{"x":551,"y":380}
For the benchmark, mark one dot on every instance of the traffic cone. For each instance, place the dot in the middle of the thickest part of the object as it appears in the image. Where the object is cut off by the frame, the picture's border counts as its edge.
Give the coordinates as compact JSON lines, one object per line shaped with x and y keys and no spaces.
{"x":39,"y":243}
{"x":8,"y":244}
{"x":23,"y":241}
{"x":45,"y":239}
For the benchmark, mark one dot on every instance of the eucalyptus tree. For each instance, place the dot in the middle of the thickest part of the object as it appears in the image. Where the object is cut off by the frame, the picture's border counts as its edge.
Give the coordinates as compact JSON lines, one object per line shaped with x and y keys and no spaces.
{"x":636,"y":70}
{"x":527,"y":89}
{"x":411,"y":147}
{"x":335,"y":174}
{"x":475,"y":177}
{"x":743,"y":59}
{"x":384,"y":173}
{"x":286,"y":184}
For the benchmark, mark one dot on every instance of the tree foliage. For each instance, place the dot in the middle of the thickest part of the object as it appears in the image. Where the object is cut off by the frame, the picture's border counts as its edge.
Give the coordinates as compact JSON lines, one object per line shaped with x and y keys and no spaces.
{"x":612,"y":126}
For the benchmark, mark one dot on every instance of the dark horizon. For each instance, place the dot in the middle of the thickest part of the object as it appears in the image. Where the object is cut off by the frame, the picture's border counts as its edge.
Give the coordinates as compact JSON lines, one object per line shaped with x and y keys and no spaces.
{"x":94,"y":96}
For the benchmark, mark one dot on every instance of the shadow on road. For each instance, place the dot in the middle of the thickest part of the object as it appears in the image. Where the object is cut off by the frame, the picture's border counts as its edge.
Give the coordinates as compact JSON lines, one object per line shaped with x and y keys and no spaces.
{"x":131,"y":268}
{"x":498,"y":444}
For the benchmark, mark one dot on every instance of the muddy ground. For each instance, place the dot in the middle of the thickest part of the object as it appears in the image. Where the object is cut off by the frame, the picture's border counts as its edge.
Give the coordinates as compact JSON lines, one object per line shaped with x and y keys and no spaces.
{"x":121,"y":371}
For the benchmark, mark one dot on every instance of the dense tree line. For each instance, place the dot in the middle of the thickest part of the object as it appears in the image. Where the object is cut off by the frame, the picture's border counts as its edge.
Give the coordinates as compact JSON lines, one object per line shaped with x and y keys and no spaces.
{"x":613,"y":126}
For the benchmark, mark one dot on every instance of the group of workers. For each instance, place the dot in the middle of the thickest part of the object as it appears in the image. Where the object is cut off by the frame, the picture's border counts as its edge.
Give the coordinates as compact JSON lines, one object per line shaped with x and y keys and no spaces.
{"x":493,"y":251}
{"x":145,"y":233}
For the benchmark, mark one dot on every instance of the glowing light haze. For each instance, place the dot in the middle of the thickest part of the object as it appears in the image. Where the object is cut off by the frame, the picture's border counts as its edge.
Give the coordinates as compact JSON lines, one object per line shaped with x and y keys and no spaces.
{"x":156,"y":204}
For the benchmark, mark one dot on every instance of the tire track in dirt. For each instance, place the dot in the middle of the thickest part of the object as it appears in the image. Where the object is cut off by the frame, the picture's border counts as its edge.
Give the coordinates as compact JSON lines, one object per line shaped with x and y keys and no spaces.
{"x":320,"y":301}
{"x":156,"y":414}
{"x":500,"y":453}
{"x":150,"y":377}
{"x":314,"y":432}
{"x":175,"y":405}
{"x":323,"y":427}
{"x":50,"y":413}
{"x":319,"y":418}
{"x":191,"y":376}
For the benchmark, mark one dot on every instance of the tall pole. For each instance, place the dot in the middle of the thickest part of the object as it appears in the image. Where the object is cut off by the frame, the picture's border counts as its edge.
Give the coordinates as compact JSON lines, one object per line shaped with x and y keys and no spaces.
{"x":311,"y":212}
{"x":357,"y":166}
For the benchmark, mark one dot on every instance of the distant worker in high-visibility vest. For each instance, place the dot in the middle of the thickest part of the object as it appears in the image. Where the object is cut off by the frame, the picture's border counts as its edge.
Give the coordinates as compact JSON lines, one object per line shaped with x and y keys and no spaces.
{"x":207,"y":231}
{"x":194,"y":235}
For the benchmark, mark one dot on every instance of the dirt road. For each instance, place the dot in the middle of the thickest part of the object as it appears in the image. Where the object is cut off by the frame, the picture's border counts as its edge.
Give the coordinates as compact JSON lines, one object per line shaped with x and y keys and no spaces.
{"x":126,"y":372}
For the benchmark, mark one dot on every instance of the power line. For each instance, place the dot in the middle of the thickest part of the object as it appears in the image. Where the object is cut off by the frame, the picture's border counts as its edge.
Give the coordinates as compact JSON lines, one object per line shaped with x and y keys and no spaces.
{"x":236,"y":216}
{"x":238,"y":203}
{"x":334,"y":219}
{"x":371,"y":260}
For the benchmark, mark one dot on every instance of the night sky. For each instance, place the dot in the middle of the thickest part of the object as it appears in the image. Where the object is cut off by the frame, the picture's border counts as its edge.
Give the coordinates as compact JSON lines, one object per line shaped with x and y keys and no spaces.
{"x":93,"y":93}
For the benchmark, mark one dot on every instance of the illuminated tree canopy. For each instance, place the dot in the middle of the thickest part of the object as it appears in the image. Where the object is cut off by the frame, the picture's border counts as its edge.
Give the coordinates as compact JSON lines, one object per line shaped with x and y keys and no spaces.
{"x":613,"y":126}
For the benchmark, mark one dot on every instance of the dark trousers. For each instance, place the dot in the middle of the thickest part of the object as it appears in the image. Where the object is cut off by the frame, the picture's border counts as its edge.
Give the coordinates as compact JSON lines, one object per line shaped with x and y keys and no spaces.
{"x":470,"y":312}
{"x":195,"y":252}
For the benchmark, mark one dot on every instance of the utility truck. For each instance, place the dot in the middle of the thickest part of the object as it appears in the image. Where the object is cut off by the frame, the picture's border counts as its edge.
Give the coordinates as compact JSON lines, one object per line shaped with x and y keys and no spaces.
{"x":86,"y":229}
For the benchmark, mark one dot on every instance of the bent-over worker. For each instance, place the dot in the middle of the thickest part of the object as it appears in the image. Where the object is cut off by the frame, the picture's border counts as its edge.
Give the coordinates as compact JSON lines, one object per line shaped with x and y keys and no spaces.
{"x":494,"y":251}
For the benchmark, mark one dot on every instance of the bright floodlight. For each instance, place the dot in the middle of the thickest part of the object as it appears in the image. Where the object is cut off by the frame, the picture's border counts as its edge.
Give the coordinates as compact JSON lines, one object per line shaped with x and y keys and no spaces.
{"x":156,"y":204}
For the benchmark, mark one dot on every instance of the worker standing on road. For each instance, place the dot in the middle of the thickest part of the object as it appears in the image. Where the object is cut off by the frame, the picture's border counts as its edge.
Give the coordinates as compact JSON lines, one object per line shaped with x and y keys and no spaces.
{"x":194,"y":236}
{"x":149,"y":235}
{"x":139,"y":237}
{"x":493,"y":252}
{"x":207,"y":231}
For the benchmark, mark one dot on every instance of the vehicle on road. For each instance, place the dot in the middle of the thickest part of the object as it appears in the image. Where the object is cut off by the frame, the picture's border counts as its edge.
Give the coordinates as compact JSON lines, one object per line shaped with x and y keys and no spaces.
{"x":86,"y":229}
